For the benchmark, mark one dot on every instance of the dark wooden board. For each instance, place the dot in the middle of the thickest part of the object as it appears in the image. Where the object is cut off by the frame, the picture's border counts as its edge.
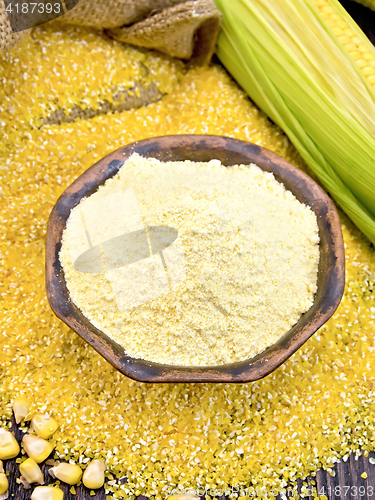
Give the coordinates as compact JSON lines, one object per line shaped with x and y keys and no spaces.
{"x":347,"y":484}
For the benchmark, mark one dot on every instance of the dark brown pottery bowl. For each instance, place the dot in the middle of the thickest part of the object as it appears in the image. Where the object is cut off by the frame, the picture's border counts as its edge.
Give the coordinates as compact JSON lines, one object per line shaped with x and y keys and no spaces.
{"x":331,"y":275}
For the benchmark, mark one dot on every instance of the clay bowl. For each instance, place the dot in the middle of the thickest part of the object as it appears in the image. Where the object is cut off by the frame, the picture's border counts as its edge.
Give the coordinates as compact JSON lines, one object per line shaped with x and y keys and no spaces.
{"x":229,"y":151}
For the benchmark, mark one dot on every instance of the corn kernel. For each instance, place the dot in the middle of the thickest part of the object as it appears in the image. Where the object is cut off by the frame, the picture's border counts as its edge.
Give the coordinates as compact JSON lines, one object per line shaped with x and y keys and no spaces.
{"x":37,"y":448}
{"x":9,"y":448}
{"x":44,"y":426}
{"x":47,"y":493}
{"x":30,"y":470}
{"x":69,"y":473}
{"x":93,"y":477}
{"x":3,"y":480}
{"x":4,"y":485}
{"x":21,"y":408}
{"x":26,"y":485}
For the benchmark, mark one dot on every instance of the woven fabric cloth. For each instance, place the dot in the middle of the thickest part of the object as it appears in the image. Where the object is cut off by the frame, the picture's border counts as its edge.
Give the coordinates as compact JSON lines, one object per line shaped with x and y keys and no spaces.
{"x":8,"y":39}
{"x":186,"y":30}
{"x":178,"y":28}
{"x":114,"y":13}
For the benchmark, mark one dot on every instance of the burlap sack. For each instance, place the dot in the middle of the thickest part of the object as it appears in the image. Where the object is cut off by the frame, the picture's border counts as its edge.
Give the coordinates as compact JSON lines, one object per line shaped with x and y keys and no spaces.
{"x":185,"y":30}
{"x":179,"y":28}
{"x":176,"y":27}
{"x":8,"y":39}
{"x":114,"y":13}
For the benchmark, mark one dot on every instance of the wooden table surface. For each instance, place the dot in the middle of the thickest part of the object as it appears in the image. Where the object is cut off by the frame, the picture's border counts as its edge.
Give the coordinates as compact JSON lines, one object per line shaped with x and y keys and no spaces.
{"x":347,"y":482}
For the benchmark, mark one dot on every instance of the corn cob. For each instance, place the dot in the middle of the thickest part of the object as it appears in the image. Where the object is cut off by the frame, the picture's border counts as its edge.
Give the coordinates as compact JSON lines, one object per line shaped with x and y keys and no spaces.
{"x":350,"y":36}
{"x":310,"y":68}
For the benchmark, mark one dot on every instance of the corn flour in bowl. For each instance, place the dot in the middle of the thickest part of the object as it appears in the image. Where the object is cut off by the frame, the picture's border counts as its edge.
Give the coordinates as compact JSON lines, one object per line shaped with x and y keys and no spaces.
{"x":191,"y":263}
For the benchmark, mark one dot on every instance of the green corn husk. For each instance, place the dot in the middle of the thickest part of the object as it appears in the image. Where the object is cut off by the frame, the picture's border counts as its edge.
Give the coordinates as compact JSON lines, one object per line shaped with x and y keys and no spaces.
{"x":292,"y":66}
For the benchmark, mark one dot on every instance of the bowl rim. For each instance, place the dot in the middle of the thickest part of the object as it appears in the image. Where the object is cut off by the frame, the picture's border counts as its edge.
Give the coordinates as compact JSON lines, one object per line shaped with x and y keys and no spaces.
{"x":173,"y":147}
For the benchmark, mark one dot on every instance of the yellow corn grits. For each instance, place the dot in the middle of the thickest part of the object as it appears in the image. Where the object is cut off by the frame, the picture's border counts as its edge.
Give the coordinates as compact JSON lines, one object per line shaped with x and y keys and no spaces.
{"x":316,"y":408}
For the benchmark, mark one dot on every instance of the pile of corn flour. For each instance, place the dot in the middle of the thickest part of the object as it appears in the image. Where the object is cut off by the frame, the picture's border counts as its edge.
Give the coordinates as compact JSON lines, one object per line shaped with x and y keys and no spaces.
{"x":191,"y":263}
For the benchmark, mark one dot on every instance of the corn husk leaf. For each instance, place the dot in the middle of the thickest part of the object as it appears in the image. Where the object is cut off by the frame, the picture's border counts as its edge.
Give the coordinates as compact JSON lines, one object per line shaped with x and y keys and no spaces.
{"x":293,"y":67}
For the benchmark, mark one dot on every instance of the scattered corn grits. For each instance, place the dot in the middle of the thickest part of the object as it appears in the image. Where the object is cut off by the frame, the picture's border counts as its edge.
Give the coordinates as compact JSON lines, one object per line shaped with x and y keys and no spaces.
{"x":90,"y":70}
{"x":315,"y":409}
{"x":243,"y":273}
